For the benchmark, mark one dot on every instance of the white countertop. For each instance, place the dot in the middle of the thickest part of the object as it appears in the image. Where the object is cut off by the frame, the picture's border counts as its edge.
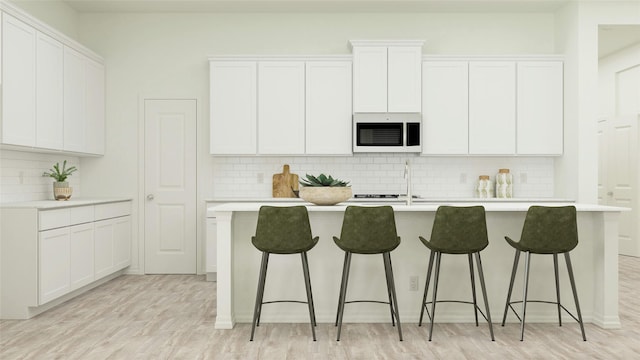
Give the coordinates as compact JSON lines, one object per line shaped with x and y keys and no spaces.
{"x":392,"y":200}
{"x":53,"y":204}
{"x":490,"y":206}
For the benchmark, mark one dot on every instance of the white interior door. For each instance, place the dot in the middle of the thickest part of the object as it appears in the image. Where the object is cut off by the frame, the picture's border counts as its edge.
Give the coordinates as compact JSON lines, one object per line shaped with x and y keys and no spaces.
{"x":618,"y":176}
{"x":170,"y":186}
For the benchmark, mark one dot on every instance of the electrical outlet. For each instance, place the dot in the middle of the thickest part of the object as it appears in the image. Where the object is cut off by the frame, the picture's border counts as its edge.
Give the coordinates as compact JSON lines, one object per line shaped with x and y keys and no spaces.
{"x":260,"y":178}
{"x":463,"y":178}
{"x":21,"y":177}
{"x":413,"y":283}
{"x":523,"y":178}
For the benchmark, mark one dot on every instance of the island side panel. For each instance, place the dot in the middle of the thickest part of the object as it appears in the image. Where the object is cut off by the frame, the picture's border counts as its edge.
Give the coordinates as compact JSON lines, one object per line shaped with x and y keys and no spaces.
{"x":225,"y":278}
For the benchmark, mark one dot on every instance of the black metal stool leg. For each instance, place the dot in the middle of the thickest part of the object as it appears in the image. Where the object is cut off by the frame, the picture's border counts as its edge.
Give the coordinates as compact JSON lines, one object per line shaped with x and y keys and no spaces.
{"x":484,"y":294}
{"x":387,"y":258}
{"x":426,"y":287}
{"x":259,"y":296}
{"x":307,"y":285}
{"x":527,"y":261}
{"x":555,"y":271}
{"x":343,"y":295}
{"x":344,"y":270}
{"x":513,"y":277}
{"x":386,"y":275}
{"x":575,"y":293}
{"x":435,"y":293}
{"x":473,"y":288}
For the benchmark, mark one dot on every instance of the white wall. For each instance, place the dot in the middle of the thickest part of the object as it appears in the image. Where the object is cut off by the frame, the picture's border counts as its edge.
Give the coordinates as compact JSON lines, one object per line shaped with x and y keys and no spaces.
{"x":55,"y":13}
{"x":165,"y":55}
{"x":627,"y":63}
{"x":577,"y":38}
{"x":21,"y":175}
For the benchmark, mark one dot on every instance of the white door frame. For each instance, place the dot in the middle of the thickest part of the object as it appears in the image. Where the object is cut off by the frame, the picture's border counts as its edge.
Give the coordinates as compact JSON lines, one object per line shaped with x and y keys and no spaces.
{"x":141,"y":198}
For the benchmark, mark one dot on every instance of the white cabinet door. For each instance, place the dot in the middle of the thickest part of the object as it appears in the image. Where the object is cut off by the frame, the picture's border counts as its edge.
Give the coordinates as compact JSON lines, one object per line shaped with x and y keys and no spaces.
{"x":103,"y":248}
{"x":121,"y":242}
{"x":370,"y":79}
{"x":53,"y":270}
{"x":445,"y":107}
{"x":18,"y":82}
{"x":281,"y":107}
{"x":74,"y":101}
{"x":540,"y":108}
{"x":492,"y":107}
{"x":328,"y":108}
{"x":233,"y":107}
{"x":81,"y":267}
{"x":404,"y":79}
{"x":94,"y":107}
{"x":49,"y":80}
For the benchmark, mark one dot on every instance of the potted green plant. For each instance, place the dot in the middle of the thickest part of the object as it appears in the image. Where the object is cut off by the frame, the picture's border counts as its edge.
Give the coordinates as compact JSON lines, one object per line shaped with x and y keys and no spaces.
{"x":61,"y":189}
{"x":324,"y":190}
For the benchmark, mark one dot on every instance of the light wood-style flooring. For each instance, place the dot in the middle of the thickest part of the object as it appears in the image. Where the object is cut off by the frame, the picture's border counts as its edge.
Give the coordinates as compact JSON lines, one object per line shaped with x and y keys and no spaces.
{"x":173,"y":316}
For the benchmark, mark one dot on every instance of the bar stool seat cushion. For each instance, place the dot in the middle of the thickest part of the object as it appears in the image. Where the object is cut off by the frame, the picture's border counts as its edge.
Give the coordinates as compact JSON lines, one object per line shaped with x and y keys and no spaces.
{"x":368,"y":230}
{"x":458,"y":230}
{"x":548,"y":230}
{"x":283,"y":230}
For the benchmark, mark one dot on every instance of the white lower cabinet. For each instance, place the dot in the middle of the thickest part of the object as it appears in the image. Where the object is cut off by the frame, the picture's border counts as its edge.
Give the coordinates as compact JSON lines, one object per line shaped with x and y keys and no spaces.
{"x":81,"y":243}
{"x":54,"y":265}
{"x":49,"y":253}
{"x":112,"y":241}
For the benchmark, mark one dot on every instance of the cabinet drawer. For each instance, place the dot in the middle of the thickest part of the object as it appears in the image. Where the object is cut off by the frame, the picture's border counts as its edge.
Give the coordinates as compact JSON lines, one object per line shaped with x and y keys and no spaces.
{"x":108,"y":211}
{"x":81,"y":214}
{"x":51,"y":219}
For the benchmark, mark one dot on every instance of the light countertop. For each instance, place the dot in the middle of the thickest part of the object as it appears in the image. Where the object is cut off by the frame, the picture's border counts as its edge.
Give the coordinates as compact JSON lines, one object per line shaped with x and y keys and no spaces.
{"x":53,"y":204}
{"x":490,"y":206}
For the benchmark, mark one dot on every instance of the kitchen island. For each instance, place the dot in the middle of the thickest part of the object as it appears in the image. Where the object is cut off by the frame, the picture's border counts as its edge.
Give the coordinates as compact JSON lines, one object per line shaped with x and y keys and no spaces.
{"x":595,"y":264}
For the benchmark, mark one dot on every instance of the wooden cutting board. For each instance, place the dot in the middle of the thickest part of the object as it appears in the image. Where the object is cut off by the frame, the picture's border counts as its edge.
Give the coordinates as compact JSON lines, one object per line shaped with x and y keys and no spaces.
{"x":285,"y":184}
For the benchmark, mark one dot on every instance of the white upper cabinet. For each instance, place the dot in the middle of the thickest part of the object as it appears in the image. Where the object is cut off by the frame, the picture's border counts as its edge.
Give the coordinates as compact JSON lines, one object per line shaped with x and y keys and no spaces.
{"x":370,"y":79}
{"x":94,"y":107}
{"x":404,"y":80}
{"x":540,"y":108}
{"x":387,"y":76}
{"x":328,"y":108}
{"x":53,"y":91}
{"x":492,"y":107}
{"x":281,"y":107}
{"x":18,"y":82}
{"x":445,"y":109}
{"x":49,"y":80}
{"x":74,"y":101}
{"x":233,"y":106}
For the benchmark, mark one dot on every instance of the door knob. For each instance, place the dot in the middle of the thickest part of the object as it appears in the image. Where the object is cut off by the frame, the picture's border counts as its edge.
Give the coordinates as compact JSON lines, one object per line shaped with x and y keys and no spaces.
{"x":150,"y":197}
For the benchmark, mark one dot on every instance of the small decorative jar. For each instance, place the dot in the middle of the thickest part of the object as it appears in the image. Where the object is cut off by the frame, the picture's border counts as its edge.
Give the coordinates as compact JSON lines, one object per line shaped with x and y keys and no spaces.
{"x":484,"y":190}
{"x":504,"y":184}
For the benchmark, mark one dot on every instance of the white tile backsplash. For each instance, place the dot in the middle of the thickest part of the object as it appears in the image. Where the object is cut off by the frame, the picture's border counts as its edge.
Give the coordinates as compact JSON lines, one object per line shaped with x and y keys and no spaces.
{"x":21,"y":175}
{"x":450,"y":177}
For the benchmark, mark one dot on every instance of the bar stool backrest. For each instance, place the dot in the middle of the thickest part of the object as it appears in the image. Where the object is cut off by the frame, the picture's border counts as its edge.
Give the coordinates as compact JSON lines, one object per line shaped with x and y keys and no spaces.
{"x":283,"y":230}
{"x":459,"y":229}
{"x":549,"y":230}
{"x":368,"y":230}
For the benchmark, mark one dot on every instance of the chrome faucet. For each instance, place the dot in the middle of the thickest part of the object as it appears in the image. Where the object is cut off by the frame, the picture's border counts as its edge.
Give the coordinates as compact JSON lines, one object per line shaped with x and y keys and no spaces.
{"x":407,"y":176}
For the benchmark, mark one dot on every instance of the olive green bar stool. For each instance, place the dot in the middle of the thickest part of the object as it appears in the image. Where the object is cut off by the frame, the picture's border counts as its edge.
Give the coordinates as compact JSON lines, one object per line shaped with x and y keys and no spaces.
{"x":283,"y":230}
{"x":457,"y":231}
{"x":368,"y":230}
{"x":547,"y":231}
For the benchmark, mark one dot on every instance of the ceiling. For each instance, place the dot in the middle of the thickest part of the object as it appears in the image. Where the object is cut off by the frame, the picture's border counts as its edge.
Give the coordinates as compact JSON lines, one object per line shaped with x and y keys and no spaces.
{"x":611,"y":37}
{"x":314,"y":5}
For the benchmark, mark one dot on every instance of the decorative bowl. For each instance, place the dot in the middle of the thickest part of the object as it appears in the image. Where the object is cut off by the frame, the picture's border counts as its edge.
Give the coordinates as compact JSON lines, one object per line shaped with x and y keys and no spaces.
{"x":325,"y":195}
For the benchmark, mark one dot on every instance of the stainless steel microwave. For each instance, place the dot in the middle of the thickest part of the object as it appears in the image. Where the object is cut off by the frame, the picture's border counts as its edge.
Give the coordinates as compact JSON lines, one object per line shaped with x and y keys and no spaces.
{"x":387,"y":132}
